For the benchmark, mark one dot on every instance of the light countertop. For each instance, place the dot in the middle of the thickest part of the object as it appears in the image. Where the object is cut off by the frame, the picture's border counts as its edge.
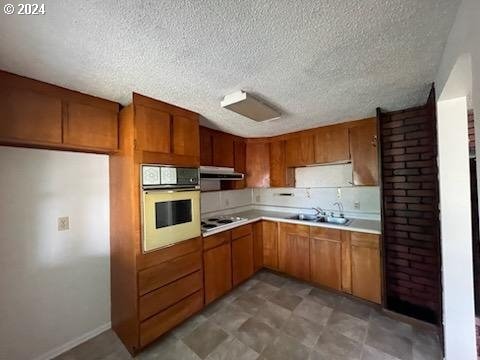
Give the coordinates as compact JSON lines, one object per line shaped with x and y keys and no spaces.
{"x":360,"y":225}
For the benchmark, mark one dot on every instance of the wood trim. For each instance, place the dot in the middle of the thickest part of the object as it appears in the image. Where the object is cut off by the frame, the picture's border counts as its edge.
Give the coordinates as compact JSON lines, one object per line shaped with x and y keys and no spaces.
{"x":143,"y":100}
{"x":149,"y":157}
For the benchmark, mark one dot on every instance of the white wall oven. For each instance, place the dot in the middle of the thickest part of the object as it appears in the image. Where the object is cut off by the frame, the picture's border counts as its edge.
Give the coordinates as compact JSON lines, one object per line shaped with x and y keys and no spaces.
{"x":170,"y":205}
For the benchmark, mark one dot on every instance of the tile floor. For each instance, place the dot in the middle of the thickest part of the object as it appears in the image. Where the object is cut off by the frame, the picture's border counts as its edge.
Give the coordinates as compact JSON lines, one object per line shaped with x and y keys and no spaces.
{"x":271,"y":317}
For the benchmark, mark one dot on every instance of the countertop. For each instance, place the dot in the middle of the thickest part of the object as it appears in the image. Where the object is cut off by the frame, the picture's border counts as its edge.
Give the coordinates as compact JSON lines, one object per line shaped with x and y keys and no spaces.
{"x":360,"y":225}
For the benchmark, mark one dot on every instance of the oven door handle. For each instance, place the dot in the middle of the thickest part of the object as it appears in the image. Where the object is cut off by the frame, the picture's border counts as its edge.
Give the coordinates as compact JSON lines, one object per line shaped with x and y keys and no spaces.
{"x":153,"y":190}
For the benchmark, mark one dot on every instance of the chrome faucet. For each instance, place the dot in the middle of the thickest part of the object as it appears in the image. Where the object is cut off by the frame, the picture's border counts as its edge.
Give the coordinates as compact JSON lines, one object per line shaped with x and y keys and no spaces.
{"x":340,"y":208}
{"x":319,"y":210}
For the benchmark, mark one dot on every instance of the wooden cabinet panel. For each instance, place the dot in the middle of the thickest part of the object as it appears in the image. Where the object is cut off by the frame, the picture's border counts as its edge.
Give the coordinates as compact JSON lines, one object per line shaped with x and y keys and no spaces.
{"x":27,"y":116}
{"x":270,"y":244}
{"x":331,"y":144}
{"x":242,"y":259}
{"x":325,"y":262}
{"x":186,"y":140}
{"x":258,"y":245}
{"x":240,"y":157}
{"x":346,"y":263}
{"x":299,"y":151}
{"x":206,"y":147}
{"x":90,"y":127}
{"x":280,"y":174}
{"x":258,"y":164}
{"x":294,"y":250}
{"x":241,"y":231}
{"x":166,"y":296}
{"x":152,"y":130}
{"x":223,"y":149}
{"x":156,"y":276}
{"x":217,"y":266}
{"x":364,"y":153}
{"x":216,"y":239}
{"x":159,"y":324}
{"x":366,"y":278}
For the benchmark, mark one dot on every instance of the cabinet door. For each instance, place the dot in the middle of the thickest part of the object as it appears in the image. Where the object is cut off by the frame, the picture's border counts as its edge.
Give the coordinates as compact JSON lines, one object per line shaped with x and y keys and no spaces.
{"x":300,"y":151}
{"x":325,"y":257}
{"x":87,"y":126}
{"x":30,"y":117}
{"x":186,"y":140}
{"x":364,"y":152}
{"x":223,"y":150}
{"x":270,"y":244}
{"x":239,"y":159}
{"x":258,"y":245}
{"x":366,"y":279}
{"x":152,"y":130}
{"x":242,"y":259}
{"x":294,"y":250}
{"x":217,"y":264}
{"x":331,"y":144}
{"x":206,"y":147}
{"x":258,"y":164}
{"x":280,"y":174}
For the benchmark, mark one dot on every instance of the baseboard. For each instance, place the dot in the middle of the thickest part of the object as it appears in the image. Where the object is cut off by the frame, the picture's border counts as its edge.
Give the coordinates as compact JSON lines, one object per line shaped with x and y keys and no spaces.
{"x":72,"y":343}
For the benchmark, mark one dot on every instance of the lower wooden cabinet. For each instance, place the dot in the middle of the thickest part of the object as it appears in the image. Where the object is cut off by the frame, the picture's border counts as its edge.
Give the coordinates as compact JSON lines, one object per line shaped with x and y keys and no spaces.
{"x":366,"y":276}
{"x":257,"y":245}
{"x":326,"y":257}
{"x":270,"y":244}
{"x":217,"y":267}
{"x":242,"y":259}
{"x":294,"y":250}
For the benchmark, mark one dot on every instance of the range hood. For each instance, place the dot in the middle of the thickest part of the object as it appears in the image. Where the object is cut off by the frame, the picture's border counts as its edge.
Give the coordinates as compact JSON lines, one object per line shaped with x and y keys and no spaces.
{"x":219,"y":173}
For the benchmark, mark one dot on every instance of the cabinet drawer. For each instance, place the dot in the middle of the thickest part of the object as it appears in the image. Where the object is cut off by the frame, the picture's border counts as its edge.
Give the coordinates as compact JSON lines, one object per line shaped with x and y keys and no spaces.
{"x":365,"y":240}
{"x":159,"y":275}
{"x":159,"y":324}
{"x":215,"y":240}
{"x":241,"y":231}
{"x":166,"y":296}
{"x":325,"y":233}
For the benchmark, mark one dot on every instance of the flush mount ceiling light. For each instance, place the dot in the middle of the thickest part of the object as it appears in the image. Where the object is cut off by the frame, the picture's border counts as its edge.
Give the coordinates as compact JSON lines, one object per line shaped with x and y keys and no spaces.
{"x":246,"y":105}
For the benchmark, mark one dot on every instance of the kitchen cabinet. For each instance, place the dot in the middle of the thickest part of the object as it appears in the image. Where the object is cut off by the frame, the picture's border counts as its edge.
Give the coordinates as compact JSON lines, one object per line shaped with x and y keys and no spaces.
{"x":223,"y":150}
{"x":206,"y":146}
{"x":294,"y":250}
{"x":270,"y":244}
{"x":366,"y":278}
{"x":326,"y":257}
{"x":258,"y":245}
{"x":88,"y":126}
{"x":299,"y":150}
{"x":37,"y":114}
{"x":239,"y":160}
{"x":164,"y":133}
{"x":242,"y":254}
{"x":364,"y":152}
{"x":258,"y":164}
{"x":331,"y":144}
{"x":217,"y":265}
{"x":280,"y":174}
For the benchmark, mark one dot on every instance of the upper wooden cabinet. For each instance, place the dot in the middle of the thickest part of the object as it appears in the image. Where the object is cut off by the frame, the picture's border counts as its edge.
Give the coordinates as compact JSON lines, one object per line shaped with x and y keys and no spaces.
{"x":223,"y":149}
{"x":331,"y":144}
{"x":206,"y":146}
{"x":37,"y":114}
{"x":239,"y":161}
{"x":280,"y":174}
{"x":299,"y":150}
{"x":164,"y":133}
{"x":364,"y":152}
{"x":294,"y":250}
{"x":258,"y":164}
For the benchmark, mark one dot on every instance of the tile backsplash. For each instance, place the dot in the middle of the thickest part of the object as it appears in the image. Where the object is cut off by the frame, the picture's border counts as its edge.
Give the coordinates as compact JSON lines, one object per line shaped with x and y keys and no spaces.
{"x":227,"y":199}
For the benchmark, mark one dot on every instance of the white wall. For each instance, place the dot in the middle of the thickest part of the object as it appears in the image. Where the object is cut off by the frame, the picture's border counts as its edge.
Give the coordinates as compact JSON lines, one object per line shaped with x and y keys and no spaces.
{"x":457,"y":275}
{"x":55,"y":285}
{"x":458,"y":79}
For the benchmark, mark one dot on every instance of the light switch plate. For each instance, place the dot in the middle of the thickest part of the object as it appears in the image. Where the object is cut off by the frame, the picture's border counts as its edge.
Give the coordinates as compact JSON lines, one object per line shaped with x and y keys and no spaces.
{"x":63,"y":223}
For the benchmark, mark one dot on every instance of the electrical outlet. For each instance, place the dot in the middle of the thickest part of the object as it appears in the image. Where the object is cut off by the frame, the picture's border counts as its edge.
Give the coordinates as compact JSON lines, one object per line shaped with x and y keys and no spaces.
{"x":356,"y":205}
{"x":63,"y":223}
{"x":339,"y":193}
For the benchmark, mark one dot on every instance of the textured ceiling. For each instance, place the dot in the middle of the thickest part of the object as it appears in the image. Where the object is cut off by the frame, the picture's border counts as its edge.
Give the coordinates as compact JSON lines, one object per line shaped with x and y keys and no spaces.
{"x":319,"y":62}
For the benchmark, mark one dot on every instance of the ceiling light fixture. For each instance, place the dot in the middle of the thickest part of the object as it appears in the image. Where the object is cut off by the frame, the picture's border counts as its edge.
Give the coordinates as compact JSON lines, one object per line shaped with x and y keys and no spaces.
{"x":246,"y":105}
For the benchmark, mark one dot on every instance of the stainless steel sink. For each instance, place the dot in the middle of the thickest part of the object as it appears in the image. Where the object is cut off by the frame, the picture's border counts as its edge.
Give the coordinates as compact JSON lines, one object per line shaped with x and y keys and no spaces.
{"x":324,"y":219}
{"x":305,"y":217}
{"x":336,"y":220}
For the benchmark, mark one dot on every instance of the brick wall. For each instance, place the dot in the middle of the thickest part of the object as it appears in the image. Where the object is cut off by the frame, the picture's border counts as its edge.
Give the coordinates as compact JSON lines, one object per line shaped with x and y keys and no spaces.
{"x":410,"y":212}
